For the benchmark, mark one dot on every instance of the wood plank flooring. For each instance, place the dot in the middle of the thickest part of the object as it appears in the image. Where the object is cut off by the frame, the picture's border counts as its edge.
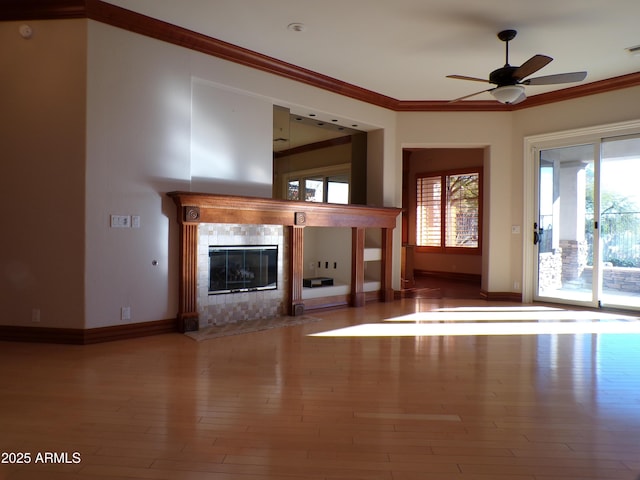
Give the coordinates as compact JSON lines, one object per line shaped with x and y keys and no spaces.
{"x":287,"y":404}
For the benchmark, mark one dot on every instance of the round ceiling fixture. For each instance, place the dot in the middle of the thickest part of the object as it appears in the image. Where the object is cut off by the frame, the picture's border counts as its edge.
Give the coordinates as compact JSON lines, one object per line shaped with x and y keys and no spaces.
{"x":296,"y":27}
{"x":25,"y":31}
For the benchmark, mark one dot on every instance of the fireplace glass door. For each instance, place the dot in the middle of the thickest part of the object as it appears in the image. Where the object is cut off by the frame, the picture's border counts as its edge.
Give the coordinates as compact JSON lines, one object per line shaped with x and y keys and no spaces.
{"x":234,"y":269}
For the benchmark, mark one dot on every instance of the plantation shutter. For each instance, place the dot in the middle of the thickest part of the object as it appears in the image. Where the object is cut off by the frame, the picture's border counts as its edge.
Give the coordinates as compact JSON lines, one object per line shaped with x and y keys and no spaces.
{"x":429,"y":211}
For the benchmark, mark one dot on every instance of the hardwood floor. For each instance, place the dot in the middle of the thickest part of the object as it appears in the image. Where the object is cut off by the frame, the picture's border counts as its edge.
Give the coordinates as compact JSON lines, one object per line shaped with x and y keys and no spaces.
{"x":337,"y":399}
{"x":438,"y":287}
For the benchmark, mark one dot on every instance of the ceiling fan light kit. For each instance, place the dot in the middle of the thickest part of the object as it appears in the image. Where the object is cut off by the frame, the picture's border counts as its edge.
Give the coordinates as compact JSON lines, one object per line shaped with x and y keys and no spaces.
{"x":508,"y":94}
{"x":509,"y":80}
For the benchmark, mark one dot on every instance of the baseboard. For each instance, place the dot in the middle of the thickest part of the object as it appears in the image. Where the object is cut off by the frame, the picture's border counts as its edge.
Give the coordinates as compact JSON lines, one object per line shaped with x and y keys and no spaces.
{"x":132,"y":330}
{"x":501,"y":296}
{"x":73,"y":336}
{"x":336,"y":301}
{"x":78,"y":336}
{"x":341,"y":301}
{"x":462,"y":277}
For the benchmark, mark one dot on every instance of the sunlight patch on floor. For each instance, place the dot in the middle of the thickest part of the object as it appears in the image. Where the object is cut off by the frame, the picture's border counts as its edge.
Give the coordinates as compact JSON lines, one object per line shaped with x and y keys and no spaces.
{"x":493,"y":321}
{"x":514,"y":314}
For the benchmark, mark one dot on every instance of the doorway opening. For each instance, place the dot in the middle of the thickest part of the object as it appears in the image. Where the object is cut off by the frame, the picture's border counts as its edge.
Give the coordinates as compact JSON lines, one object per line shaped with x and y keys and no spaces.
{"x":442,"y":199}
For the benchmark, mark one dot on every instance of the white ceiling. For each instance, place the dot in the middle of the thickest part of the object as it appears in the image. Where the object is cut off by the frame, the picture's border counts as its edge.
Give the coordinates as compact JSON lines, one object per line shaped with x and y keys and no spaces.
{"x":405,"y":48}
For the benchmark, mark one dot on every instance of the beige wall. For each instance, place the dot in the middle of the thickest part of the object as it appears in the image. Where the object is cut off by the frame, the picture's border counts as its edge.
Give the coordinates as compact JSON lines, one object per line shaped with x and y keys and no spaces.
{"x":42,"y":145}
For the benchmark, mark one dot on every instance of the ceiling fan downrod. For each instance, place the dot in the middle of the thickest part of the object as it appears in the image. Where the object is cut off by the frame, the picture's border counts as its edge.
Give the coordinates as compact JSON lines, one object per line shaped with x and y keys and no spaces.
{"x":506,"y":36}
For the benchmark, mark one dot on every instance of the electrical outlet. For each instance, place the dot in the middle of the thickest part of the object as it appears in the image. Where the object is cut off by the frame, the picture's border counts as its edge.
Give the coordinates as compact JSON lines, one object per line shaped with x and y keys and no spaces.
{"x":516,"y":286}
{"x":125,"y":313}
{"x":35,"y":315}
{"x":335,"y":265}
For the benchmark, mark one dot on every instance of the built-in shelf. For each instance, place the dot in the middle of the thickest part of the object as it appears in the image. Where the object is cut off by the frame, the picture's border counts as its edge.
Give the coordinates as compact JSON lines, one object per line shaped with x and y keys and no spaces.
{"x":371,"y":285}
{"x":197,"y":208}
{"x":329,"y":291}
{"x":372,"y":254}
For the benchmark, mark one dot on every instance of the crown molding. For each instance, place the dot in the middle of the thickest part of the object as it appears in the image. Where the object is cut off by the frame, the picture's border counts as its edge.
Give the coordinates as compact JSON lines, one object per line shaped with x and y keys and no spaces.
{"x":448,"y":106}
{"x":141,"y":24}
{"x":584,"y":90}
{"x":42,"y":9}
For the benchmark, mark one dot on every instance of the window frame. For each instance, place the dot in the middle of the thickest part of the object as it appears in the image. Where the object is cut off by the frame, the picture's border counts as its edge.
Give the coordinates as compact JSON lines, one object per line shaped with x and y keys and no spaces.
{"x":442,"y":248}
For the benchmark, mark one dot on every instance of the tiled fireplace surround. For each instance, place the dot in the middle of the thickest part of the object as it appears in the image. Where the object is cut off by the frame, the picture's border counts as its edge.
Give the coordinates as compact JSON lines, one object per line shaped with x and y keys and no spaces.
{"x":209,"y":219}
{"x":226,"y":308}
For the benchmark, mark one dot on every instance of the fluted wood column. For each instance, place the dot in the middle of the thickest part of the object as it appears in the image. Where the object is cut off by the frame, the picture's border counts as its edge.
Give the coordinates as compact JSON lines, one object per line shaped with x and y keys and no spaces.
{"x":386,"y":289}
{"x":188,"y":282}
{"x":357,"y":267}
{"x":296,"y":267}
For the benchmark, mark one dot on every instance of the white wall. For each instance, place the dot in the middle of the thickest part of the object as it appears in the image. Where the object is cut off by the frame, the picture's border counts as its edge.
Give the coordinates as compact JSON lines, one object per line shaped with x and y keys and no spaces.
{"x":230,"y":141}
{"x":138,"y":146}
{"x":328,"y":246}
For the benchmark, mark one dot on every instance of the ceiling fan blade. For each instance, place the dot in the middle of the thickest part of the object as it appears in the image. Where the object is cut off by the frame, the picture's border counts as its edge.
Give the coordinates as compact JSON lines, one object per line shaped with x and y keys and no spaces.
{"x":558,"y":78}
{"x":464,"y":77}
{"x":470,"y":95}
{"x":532,"y":65}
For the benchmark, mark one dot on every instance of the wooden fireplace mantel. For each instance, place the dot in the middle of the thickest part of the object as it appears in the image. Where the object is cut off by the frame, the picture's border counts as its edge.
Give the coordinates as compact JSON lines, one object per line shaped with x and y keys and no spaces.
{"x":196,"y":208}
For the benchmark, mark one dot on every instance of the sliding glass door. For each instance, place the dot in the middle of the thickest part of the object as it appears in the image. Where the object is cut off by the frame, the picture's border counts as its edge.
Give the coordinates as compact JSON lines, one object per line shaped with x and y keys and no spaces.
{"x":620,"y":221}
{"x":564,"y":230}
{"x":587,"y":225}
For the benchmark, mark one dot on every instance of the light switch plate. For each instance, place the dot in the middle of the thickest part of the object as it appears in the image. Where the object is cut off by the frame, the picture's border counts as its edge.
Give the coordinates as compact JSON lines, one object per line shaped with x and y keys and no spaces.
{"x":120,"y":221}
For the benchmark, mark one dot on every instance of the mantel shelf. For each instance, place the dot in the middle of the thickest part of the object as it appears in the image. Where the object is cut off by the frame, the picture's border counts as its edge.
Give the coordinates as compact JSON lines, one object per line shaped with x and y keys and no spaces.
{"x":211,"y":208}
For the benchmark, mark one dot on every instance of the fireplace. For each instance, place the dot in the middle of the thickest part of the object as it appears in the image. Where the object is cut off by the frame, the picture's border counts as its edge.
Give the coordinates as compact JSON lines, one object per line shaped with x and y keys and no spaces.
{"x":207,"y":219}
{"x":242,"y":268}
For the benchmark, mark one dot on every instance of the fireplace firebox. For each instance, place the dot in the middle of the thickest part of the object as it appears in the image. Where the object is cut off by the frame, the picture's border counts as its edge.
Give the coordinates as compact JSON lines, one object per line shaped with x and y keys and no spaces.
{"x":242,"y":268}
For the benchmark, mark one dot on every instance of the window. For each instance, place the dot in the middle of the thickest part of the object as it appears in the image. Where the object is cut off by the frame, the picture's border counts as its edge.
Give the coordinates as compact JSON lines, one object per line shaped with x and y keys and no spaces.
{"x":449,"y":211}
{"x":328,"y":187}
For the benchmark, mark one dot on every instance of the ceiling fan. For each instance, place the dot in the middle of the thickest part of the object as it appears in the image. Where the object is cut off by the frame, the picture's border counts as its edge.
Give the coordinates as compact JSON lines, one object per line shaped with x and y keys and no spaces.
{"x":510,"y":80}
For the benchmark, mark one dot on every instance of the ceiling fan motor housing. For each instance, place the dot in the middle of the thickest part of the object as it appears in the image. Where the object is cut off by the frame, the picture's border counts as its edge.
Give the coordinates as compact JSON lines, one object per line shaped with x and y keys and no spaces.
{"x":503,"y":76}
